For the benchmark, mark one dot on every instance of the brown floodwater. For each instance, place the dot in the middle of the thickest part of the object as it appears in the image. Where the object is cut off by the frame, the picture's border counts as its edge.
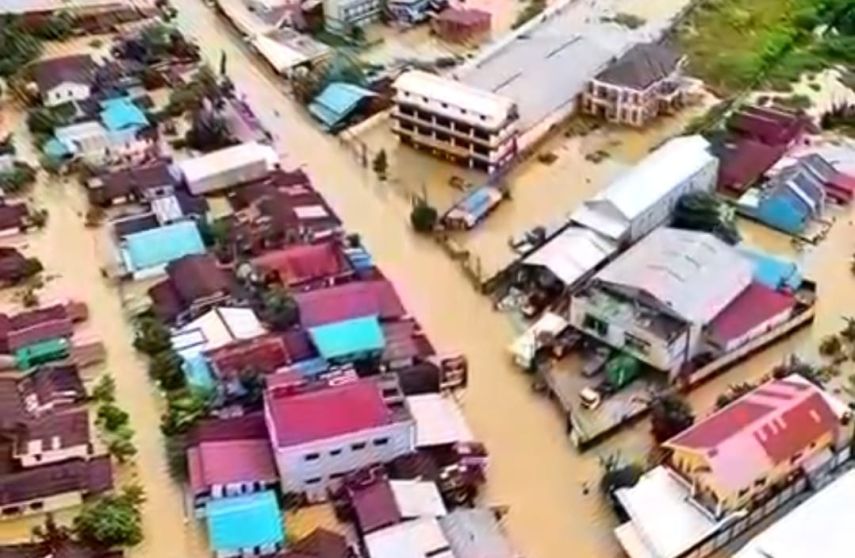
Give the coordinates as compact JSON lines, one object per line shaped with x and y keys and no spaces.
{"x":534,"y":469}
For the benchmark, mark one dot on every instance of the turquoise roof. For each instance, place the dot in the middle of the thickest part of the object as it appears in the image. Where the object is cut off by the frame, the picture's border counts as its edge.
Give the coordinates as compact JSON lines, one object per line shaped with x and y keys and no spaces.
{"x":348,"y":337}
{"x":336,"y":102}
{"x":198,"y":372}
{"x":56,"y":148}
{"x":162,"y":245}
{"x":773,"y":272}
{"x":244,"y":522}
{"x":121,"y":114}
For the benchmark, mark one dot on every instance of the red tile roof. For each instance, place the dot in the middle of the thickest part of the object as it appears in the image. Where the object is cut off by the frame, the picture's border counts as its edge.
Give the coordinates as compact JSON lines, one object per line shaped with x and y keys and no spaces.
{"x":296,"y":265}
{"x":266,"y":354}
{"x":351,"y":300}
{"x":298,"y":418}
{"x":375,"y":506}
{"x":756,"y":305}
{"x":771,"y":424}
{"x":231,"y":461}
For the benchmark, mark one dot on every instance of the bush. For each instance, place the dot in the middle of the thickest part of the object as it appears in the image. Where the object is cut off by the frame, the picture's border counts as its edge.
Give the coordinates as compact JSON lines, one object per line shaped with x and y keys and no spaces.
{"x":669,"y":415}
{"x":15,"y":181}
{"x":112,"y":520}
{"x":184,"y":409}
{"x":105,"y":390}
{"x":423,"y":217}
{"x":280,"y":309}
{"x":152,"y":337}
{"x":121,"y":446}
{"x":165,"y":369}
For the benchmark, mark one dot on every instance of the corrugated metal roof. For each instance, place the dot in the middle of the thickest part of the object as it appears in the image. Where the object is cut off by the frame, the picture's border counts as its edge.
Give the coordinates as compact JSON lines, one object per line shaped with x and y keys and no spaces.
{"x":439,"y":420}
{"x":244,"y":522}
{"x":475,"y":533}
{"x":348,"y":337}
{"x":418,"y":538}
{"x":162,"y":245}
{"x":336,"y":102}
{"x":572,"y":254}
{"x":215,"y":162}
{"x":693,"y":273}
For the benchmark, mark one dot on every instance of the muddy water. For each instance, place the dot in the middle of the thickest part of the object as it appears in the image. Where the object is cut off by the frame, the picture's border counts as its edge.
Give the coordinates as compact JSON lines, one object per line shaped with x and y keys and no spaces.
{"x":73,"y":256}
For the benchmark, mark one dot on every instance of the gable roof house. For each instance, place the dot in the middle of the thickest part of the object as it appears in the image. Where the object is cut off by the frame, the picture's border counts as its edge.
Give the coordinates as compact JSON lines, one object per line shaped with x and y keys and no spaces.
{"x":642,"y":84}
{"x":14,"y":266}
{"x":143,"y":182}
{"x":376,"y":297}
{"x":320,"y":543}
{"x":644,"y":197}
{"x":14,"y":218}
{"x":250,"y":524}
{"x":195,"y":283}
{"x":65,"y":79}
{"x":655,"y":299}
{"x":147,"y":253}
{"x":33,"y":326}
{"x":305,"y":266}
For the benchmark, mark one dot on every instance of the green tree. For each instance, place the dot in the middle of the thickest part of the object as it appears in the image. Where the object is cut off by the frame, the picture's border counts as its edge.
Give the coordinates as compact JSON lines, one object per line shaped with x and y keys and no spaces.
{"x":733,"y":393}
{"x":280,"y":308}
{"x":17,"y":46}
{"x":380,"y":164}
{"x":15,"y":181}
{"x":43,"y":120}
{"x":105,"y":390}
{"x":111,"y":520}
{"x":111,"y":417}
{"x":165,"y":369}
{"x":669,"y":415}
{"x":208,"y":132}
{"x":423,"y":217}
{"x":57,"y":28}
{"x":53,"y":536}
{"x":702,"y":211}
{"x":120,"y":444}
{"x":184,"y":408}
{"x":830,"y":346}
{"x":617,"y":474}
{"x":32,"y":267}
{"x":152,"y":337}
{"x":795,"y":365}
{"x":848,"y":332}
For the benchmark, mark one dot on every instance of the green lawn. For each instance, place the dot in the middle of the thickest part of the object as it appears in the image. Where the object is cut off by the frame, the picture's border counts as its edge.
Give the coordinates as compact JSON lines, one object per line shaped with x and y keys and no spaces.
{"x":737,"y":44}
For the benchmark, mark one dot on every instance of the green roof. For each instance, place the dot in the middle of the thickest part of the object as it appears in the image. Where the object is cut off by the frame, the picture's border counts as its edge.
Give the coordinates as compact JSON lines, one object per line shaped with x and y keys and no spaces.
{"x":348,"y":337}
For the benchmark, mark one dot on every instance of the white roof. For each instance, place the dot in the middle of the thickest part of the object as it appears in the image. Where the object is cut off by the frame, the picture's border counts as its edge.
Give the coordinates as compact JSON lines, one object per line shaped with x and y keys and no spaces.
{"x":80,"y":131}
{"x":458,"y":95}
{"x":693,"y":273}
{"x":663,"y":522}
{"x":818,"y":527}
{"x":524,"y":346}
{"x":285,"y":49}
{"x":648,"y":182}
{"x":418,"y":538}
{"x":475,"y":533}
{"x":417,"y":498}
{"x":438,"y":419}
{"x":235,"y":156}
{"x":572,"y":254}
{"x":217,"y":328}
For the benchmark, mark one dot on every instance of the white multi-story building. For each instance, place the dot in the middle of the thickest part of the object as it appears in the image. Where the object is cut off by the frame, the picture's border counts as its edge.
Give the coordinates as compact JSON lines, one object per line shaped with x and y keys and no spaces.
{"x":461,"y":123}
{"x":644,"y":197}
{"x":321,"y":434}
{"x":341,"y":16}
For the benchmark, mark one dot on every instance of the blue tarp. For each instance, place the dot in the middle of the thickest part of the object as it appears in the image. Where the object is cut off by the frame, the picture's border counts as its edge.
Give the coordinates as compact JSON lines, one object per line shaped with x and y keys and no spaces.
{"x":348,"y":337}
{"x":244,"y":522}
{"x":121,"y":114}
{"x":773,"y":272}
{"x":336,"y":102}
{"x":478,"y":202}
{"x":162,"y":245}
{"x":198,"y":373}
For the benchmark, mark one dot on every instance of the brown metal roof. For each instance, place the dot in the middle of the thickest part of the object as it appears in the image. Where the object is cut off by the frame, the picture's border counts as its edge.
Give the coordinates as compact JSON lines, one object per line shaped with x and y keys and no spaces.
{"x":76,"y":475}
{"x":641,"y":66}
{"x":49,"y":73}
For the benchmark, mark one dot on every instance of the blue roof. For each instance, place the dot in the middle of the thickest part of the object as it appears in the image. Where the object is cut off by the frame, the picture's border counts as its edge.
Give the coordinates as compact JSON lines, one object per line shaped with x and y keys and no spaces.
{"x":772,"y":271}
{"x":56,"y":148}
{"x":243,"y":522}
{"x":477,"y":202}
{"x":348,"y":337}
{"x":336,"y":102}
{"x":159,"y":246}
{"x":121,"y":114}
{"x":311,"y":367}
{"x":198,"y":372}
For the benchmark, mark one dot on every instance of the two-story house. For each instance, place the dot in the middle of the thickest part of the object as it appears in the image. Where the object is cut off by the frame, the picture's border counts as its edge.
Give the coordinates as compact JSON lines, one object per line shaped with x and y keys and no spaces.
{"x":656,"y":298}
{"x":320,"y":433}
{"x":642,"y":84}
{"x":65,"y":79}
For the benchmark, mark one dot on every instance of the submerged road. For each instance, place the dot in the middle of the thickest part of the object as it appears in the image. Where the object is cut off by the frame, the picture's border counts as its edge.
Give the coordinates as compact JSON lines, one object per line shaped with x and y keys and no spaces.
{"x":534,"y":469}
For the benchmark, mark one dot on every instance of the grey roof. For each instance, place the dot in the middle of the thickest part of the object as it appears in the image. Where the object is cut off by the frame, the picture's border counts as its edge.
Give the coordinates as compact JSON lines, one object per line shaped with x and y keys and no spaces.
{"x":475,"y":533}
{"x":641,"y":66}
{"x":693,"y":273}
{"x":546,"y":63}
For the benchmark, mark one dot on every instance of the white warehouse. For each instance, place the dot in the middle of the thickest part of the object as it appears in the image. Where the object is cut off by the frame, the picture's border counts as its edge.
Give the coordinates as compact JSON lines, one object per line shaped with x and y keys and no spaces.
{"x":461,"y":123}
{"x":228,"y":167}
{"x":644,"y":198}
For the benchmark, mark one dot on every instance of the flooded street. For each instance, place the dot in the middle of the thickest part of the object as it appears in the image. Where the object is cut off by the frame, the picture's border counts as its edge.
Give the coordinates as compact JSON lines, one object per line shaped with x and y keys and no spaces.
{"x":73,"y":256}
{"x":534,"y":468}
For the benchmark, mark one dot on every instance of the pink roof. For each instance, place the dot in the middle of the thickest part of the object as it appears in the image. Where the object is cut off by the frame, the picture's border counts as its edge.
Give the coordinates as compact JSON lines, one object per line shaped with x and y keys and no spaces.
{"x":324,"y":413}
{"x":298,"y":264}
{"x":756,"y":305}
{"x":744,"y":162}
{"x":769,"y":425}
{"x":212,"y":463}
{"x":843,"y":185}
{"x":351,"y":300}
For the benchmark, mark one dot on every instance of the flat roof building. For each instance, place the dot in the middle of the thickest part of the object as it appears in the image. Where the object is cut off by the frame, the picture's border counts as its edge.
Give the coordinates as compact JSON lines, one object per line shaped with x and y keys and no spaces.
{"x":464,"y":124}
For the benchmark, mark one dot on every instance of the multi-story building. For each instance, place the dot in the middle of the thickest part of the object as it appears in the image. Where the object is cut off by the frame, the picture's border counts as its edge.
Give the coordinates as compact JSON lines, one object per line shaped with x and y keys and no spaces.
{"x":461,"y":123}
{"x":655,"y":300}
{"x":320,"y":433}
{"x":644,"y":197}
{"x":342,"y":16}
{"x":642,"y":84}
